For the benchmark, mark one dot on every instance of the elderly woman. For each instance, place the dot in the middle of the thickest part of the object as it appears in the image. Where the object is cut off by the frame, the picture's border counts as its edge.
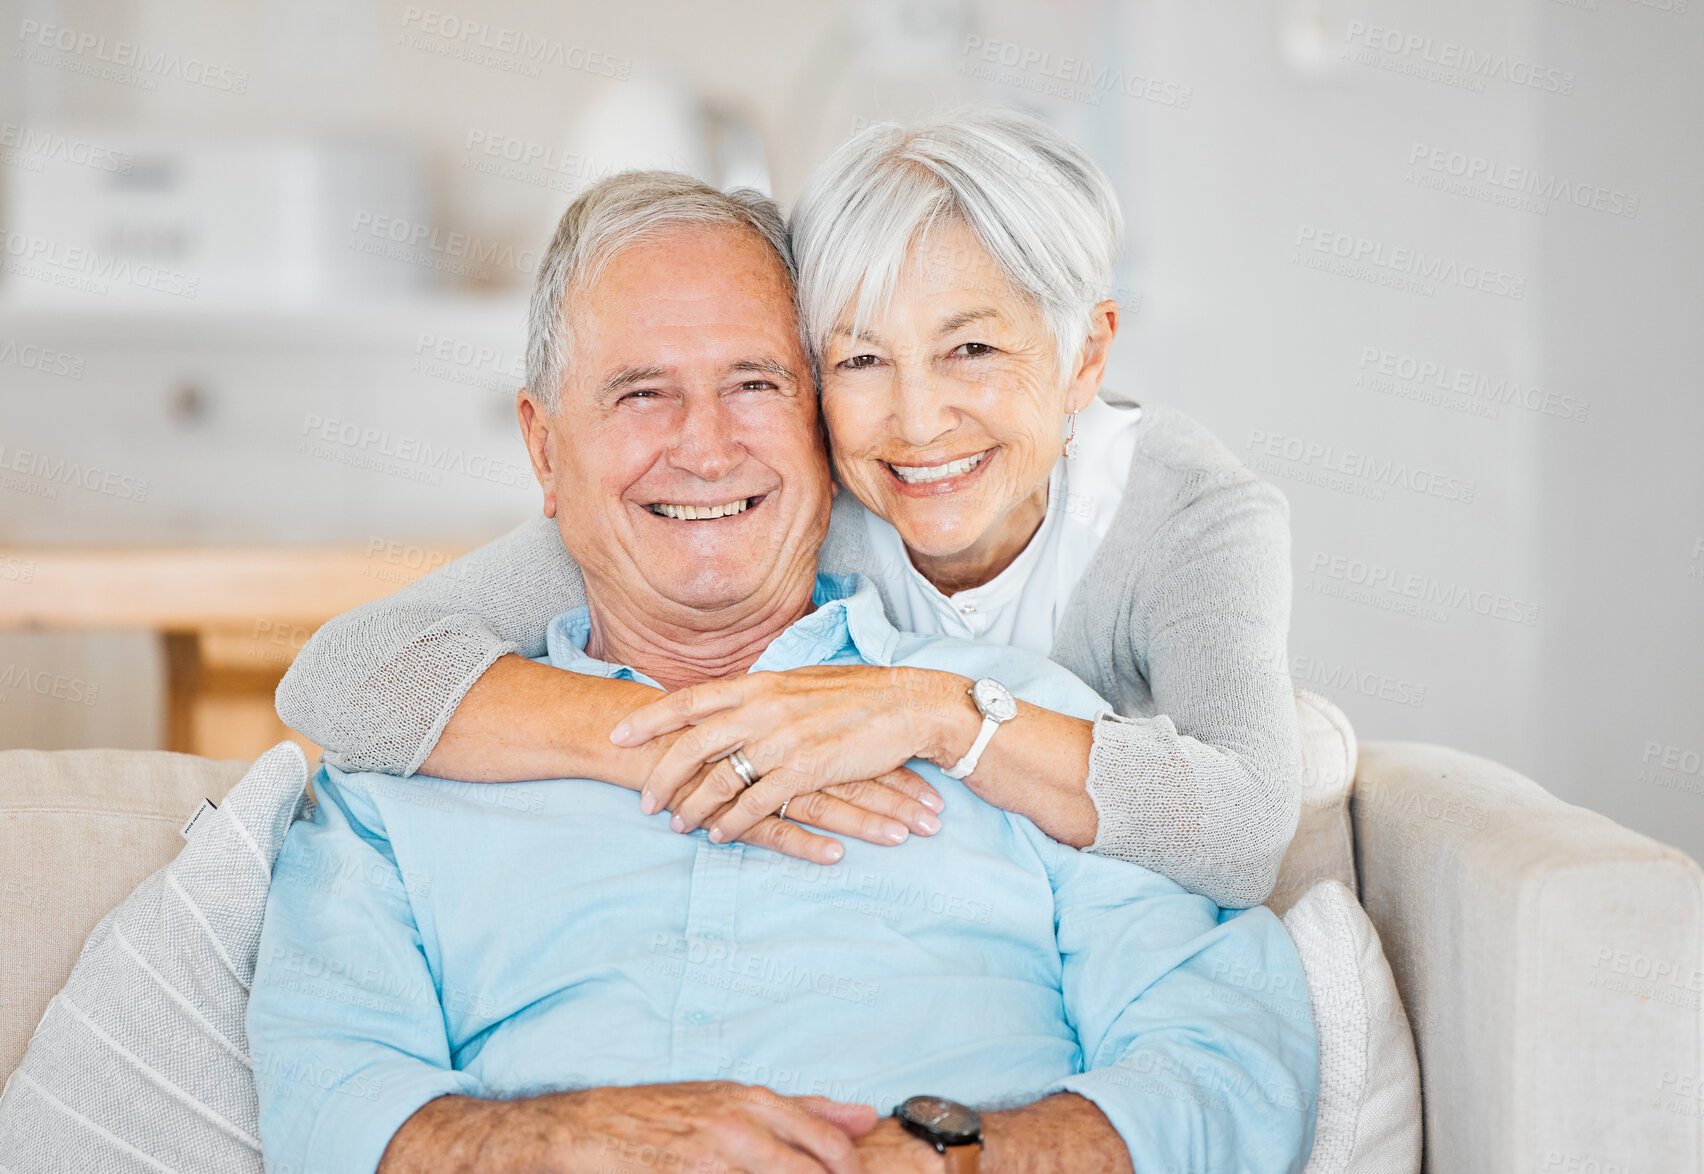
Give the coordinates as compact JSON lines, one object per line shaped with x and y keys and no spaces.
{"x":953,"y":283}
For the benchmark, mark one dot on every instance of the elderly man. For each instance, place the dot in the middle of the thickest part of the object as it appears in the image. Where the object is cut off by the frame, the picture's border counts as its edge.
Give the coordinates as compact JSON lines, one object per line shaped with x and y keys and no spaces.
{"x":539,"y":977}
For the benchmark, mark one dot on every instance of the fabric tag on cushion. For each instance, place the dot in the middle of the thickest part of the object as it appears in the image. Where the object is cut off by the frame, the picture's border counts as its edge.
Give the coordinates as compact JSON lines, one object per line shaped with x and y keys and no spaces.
{"x":188,"y":829}
{"x":141,"y":1062}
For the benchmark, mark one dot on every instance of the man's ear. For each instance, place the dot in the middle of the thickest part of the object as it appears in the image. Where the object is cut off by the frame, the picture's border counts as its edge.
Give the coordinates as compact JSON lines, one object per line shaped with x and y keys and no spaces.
{"x":1091,"y":364}
{"x":536,"y":430}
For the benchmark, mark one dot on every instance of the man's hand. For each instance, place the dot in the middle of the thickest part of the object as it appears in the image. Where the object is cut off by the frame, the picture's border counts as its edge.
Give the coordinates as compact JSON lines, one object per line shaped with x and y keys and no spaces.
{"x":889,"y":1149}
{"x":713,"y":1125}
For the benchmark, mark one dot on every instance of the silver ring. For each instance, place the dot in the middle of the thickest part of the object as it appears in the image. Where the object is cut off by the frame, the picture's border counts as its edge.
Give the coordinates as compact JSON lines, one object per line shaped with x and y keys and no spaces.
{"x":783,"y":812}
{"x":742,"y":767}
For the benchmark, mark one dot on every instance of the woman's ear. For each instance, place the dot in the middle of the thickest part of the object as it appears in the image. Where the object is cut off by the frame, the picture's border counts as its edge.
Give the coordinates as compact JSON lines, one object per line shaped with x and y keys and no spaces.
{"x":1091,"y":363}
{"x":536,"y":427}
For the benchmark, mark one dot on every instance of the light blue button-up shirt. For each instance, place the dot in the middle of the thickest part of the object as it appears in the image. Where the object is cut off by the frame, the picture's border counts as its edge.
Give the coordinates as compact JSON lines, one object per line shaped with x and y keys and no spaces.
{"x":426,"y":937}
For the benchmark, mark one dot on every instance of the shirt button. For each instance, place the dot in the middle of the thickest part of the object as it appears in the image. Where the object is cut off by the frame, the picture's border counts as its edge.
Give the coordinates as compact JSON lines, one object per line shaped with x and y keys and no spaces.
{"x":967,"y":608}
{"x":698,"y":1017}
{"x":712,"y":936}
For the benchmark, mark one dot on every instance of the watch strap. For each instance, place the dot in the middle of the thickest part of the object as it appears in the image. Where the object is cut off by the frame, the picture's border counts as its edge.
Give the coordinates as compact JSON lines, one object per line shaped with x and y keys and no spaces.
{"x":963,"y":1159}
{"x":965,"y":765}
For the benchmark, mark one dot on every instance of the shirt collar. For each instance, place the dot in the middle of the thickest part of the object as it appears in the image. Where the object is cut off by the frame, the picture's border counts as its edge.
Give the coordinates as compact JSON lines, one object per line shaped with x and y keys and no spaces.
{"x":1004,"y":588}
{"x":848,"y":616}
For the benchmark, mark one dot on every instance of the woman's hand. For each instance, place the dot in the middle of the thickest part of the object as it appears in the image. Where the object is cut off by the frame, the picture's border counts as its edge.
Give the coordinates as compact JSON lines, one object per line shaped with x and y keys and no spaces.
{"x":843,"y":730}
{"x":870,"y":810}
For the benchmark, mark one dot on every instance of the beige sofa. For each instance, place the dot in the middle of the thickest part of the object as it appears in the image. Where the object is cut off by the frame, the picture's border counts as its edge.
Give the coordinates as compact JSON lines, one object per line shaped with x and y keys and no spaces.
{"x":1550,"y":961}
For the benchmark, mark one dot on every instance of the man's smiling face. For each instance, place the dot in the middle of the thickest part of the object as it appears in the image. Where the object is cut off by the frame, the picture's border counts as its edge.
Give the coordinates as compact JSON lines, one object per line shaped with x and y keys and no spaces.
{"x":685,"y":456}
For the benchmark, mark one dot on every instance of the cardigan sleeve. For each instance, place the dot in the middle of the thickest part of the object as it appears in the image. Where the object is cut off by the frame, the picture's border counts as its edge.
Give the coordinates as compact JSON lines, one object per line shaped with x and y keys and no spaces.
{"x":376,"y":686}
{"x":1204,"y":785}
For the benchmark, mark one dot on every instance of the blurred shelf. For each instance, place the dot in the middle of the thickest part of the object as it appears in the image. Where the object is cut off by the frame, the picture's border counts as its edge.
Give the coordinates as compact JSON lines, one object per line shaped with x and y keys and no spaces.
{"x":196,"y":588}
{"x":231,"y":620}
{"x":172,"y":322}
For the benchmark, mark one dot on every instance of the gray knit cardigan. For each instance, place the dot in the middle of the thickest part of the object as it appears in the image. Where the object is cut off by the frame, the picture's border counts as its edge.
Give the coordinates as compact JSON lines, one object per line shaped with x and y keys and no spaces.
{"x":1180,"y":622}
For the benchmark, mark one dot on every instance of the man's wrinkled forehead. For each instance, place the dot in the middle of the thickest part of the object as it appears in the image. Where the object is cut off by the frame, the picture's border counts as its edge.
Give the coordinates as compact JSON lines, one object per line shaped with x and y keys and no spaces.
{"x":666,"y":307}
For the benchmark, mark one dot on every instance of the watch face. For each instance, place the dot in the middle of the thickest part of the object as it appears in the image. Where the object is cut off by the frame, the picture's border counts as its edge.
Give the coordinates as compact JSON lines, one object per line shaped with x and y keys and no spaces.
{"x":947,"y":1121}
{"x":994,"y":700}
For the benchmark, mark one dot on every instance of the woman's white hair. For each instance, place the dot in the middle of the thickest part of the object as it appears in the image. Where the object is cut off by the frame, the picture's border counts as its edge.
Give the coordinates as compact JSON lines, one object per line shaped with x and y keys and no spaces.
{"x":1043,"y":210}
{"x":605,"y":219}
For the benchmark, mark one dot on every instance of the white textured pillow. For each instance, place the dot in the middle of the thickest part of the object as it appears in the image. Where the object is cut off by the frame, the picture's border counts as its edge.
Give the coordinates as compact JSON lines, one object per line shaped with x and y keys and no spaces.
{"x":1323,"y":847}
{"x":1369,"y":1080}
{"x":141,"y":1062}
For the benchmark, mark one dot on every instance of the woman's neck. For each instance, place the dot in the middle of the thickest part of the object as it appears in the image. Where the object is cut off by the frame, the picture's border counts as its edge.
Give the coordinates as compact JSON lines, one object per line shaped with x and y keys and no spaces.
{"x":990,"y":554}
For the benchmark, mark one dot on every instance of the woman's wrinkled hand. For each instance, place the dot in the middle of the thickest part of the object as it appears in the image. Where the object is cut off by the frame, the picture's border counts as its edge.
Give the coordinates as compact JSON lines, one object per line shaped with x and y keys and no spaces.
{"x":821,"y":739}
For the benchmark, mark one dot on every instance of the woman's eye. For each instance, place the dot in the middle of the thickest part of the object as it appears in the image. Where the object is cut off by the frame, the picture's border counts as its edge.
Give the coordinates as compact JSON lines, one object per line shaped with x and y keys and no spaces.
{"x":974,"y":350}
{"x":643,"y":393}
{"x":858,"y":362}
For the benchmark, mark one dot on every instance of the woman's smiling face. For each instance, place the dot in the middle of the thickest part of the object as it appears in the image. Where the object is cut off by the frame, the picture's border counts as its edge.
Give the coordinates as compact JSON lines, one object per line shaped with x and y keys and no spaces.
{"x":946,"y":411}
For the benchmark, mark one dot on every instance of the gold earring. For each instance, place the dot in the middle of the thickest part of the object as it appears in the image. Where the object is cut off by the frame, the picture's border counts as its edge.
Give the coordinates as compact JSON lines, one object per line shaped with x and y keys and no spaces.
{"x":1071,"y":438}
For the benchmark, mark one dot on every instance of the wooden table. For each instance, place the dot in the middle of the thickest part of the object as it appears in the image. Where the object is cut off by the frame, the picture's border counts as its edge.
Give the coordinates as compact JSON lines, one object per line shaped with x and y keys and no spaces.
{"x":231,"y":619}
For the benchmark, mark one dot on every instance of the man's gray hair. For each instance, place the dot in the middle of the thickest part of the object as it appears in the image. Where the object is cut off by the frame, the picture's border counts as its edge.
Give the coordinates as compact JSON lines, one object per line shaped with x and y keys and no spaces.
{"x":605,"y":219}
{"x":1043,"y":210}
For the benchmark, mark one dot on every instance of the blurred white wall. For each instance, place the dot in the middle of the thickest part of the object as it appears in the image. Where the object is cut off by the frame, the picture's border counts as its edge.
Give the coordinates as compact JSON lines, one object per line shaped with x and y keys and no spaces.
{"x":1432,"y":268}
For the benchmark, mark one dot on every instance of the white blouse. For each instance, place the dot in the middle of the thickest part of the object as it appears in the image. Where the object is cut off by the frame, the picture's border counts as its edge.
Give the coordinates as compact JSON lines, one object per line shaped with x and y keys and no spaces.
{"x":1021,"y":605}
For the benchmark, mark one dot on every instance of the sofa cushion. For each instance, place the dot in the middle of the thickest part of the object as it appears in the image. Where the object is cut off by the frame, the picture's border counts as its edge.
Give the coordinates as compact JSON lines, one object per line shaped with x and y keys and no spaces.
{"x":141,"y":1061}
{"x":78,"y":830}
{"x":1323,"y":848}
{"x":1368,"y":1120}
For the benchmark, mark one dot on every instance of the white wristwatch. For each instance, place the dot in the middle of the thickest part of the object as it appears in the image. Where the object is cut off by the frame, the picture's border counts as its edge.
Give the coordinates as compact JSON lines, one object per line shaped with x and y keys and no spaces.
{"x":996,"y":705}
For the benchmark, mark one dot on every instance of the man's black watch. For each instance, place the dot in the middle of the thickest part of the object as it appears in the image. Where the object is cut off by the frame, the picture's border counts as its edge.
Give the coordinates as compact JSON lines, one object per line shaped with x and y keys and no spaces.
{"x":954,"y":1130}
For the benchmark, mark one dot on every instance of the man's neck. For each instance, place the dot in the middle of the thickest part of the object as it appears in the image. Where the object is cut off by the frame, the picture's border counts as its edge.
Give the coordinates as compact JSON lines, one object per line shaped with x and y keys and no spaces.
{"x":677,"y":647}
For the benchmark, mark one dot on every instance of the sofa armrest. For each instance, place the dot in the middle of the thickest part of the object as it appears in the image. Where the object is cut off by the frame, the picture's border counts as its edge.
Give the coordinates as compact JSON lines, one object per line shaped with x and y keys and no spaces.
{"x":1551,"y":963}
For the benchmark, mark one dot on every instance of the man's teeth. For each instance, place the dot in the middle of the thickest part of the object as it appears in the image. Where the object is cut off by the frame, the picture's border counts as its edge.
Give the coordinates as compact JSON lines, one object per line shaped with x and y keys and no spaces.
{"x":916,"y":474}
{"x":694,"y":513}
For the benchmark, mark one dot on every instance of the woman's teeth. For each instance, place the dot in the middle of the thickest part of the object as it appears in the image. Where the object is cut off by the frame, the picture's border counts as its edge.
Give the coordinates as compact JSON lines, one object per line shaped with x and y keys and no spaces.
{"x":917,"y":474}
{"x":694,"y":513}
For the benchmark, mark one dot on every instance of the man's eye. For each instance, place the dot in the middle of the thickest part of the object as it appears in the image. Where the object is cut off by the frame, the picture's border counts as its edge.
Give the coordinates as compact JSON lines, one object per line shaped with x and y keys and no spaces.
{"x":757,"y":385}
{"x":642,"y":393}
{"x":857,"y":362}
{"x":974,"y":350}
